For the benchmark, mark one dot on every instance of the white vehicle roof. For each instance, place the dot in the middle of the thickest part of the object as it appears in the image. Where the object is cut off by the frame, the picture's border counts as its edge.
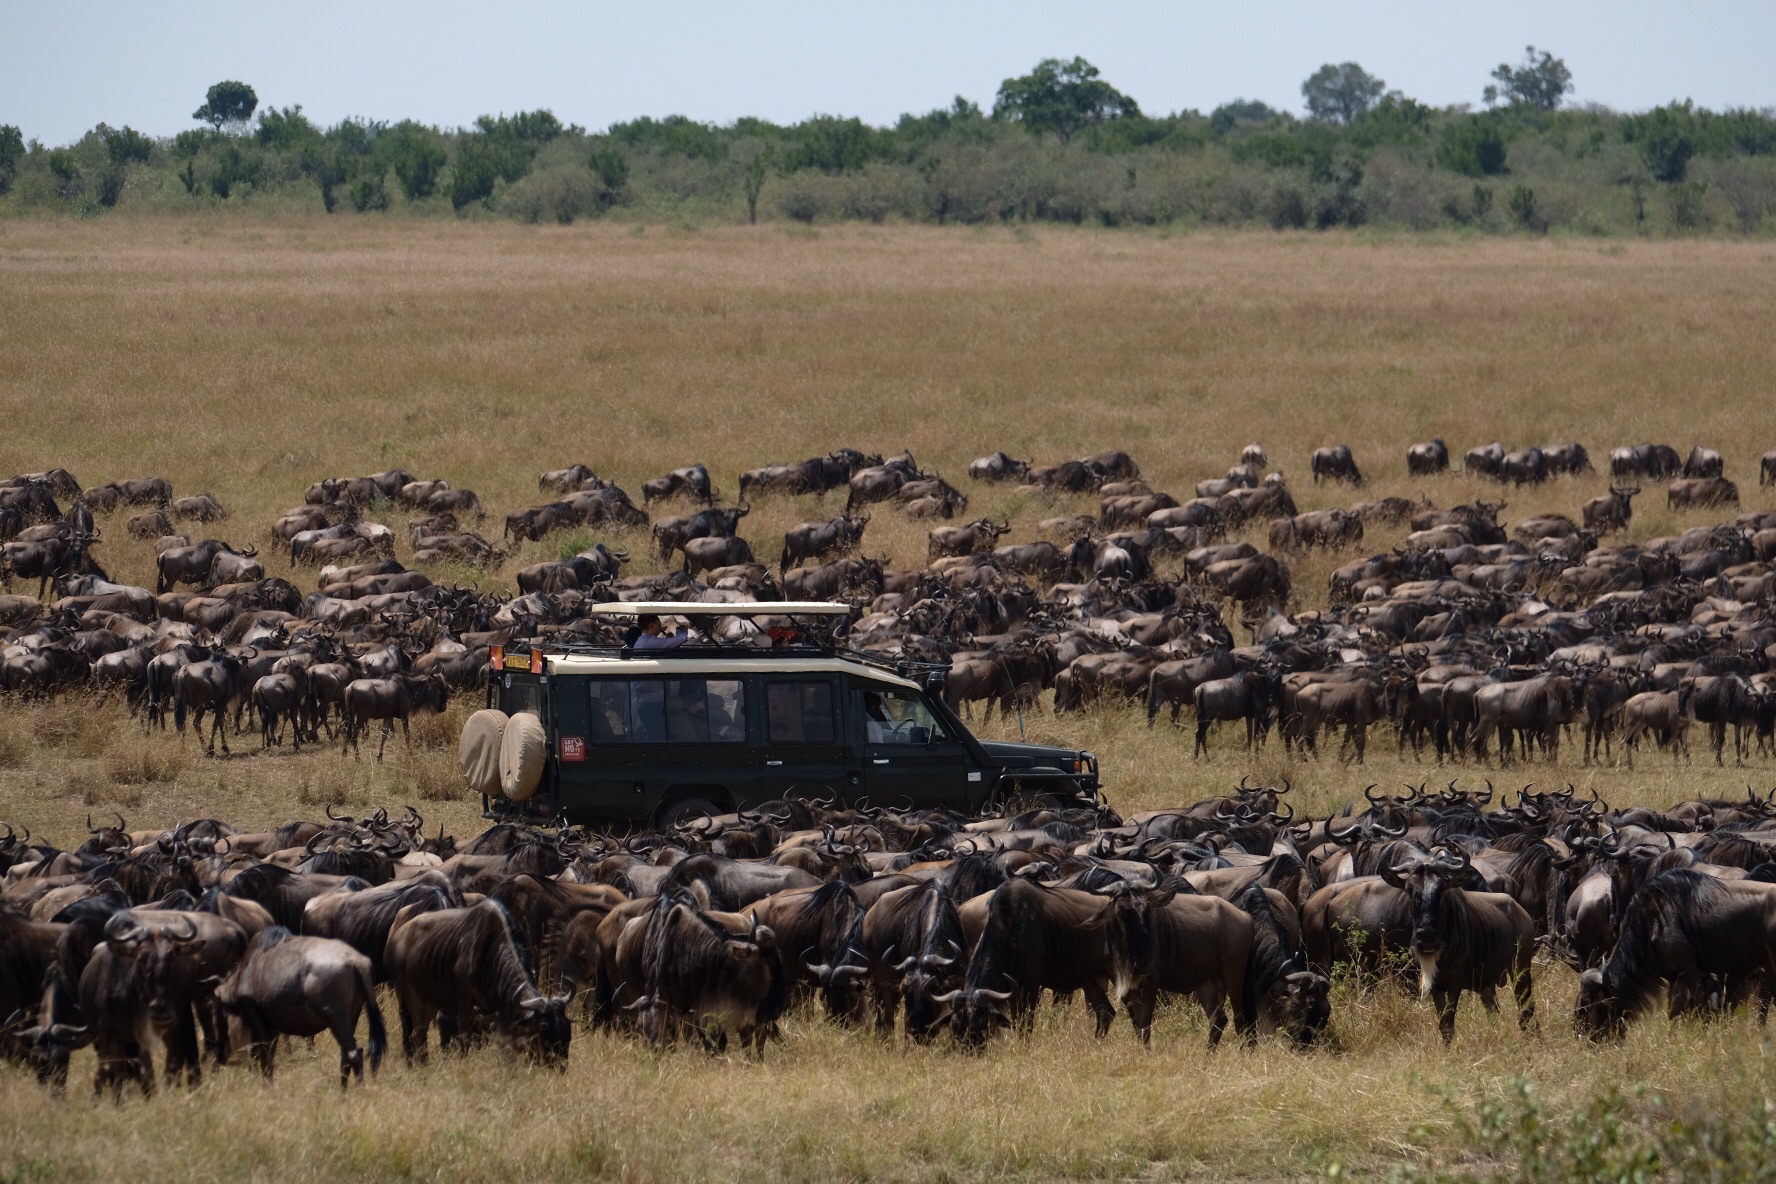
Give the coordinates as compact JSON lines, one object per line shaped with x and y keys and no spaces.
{"x":616,"y":667}
{"x":696,"y":608}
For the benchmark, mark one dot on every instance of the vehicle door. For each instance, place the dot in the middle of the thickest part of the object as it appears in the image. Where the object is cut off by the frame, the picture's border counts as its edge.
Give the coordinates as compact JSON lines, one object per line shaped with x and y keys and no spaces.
{"x":804,"y":739}
{"x":651,"y":738}
{"x":909,"y":754}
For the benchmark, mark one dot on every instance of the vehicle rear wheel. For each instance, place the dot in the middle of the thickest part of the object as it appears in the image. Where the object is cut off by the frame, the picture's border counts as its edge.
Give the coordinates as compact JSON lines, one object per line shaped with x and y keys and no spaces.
{"x":685,"y":810}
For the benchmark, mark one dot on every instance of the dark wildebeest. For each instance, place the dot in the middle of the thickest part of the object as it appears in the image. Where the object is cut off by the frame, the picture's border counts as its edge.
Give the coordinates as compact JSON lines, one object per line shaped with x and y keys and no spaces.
{"x":198,"y":564}
{"x":1033,"y":559}
{"x":199,"y":507}
{"x":152,"y":524}
{"x":1644,"y":460}
{"x":1485,"y":460}
{"x":455,"y":965}
{"x":977,"y":536}
{"x":818,"y":934}
{"x":1682,"y":929}
{"x":1703,"y":462}
{"x":389,"y":699}
{"x":1032,"y":937}
{"x":362,"y":917}
{"x":707,"y":554}
{"x":710,"y":972}
{"x":210,"y":685}
{"x":600,"y":564}
{"x":1526,"y":466}
{"x":816,"y":475}
{"x":692,"y":482}
{"x":132,"y":491}
{"x":1611,"y":511}
{"x":280,"y":696}
{"x":1317,"y":528}
{"x":916,"y":948}
{"x":998,"y":467}
{"x":302,"y":986}
{"x":573,"y":477}
{"x":1462,"y":939}
{"x":673,"y":533}
{"x":880,"y":482}
{"x":1195,"y":945}
{"x":1248,"y":696}
{"x":1691,"y":492}
{"x":1430,"y":457}
{"x":1335,"y":463}
{"x":1175,"y":682}
{"x":1571,"y":459}
{"x":538,"y":521}
{"x":818,"y":540}
{"x":1534,"y":708}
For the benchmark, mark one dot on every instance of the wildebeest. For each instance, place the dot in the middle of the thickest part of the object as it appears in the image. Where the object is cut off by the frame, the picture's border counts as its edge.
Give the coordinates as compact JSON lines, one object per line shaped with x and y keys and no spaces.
{"x":1464,"y":940}
{"x":457,"y":966}
{"x":1335,"y":463}
{"x":1654,"y":461}
{"x":710,"y":973}
{"x":210,"y":685}
{"x":998,"y":467}
{"x":816,"y":475}
{"x":1689,"y":492}
{"x":1767,"y":469}
{"x":1485,"y":460}
{"x":1247,"y":696}
{"x":599,"y":564}
{"x":1429,"y":457}
{"x":573,"y":477}
{"x":1571,"y":459}
{"x":705,"y":554}
{"x":917,"y":951}
{"x":692,"y":481}
{"x":1190,"y":945}
{"x":1703,"y":462}
{"x":818,"y":540}
{"x":134,"y":491}
{"x":1525,"y":466}
{"x":1611,"y":511}
{"x":672,"y":534}
{"x":1687,"y":931}
{"x":538,"y":521}
{"x":880,"y":482}
{"x":389,"y":699}
{"x":977,"y":536}
{"x":302,"y":986}
{"x":199,"y":507}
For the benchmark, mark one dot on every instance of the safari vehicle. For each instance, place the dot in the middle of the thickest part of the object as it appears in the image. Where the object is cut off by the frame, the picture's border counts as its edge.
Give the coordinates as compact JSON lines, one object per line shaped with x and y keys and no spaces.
{"x":654,"y":737}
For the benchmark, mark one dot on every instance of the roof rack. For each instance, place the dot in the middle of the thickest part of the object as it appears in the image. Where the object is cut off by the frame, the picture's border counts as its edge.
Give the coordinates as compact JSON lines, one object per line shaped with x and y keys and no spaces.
{"x":698,"y":608}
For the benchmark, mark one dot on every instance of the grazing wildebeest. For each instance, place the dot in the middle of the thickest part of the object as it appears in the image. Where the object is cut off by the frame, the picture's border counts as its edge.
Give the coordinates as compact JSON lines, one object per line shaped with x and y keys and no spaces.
{"x":457,"y":965}
{"x":818,"y":540}
{"x":1335,"y":463}
{"x":998,"y":467}
{"x":573,"y":477}
{"x":210,"y":685}
{"x":1536,"y":707}
{"x":152,"y":524}
{"x":880,"y":482}
{"x":134,"y":491}
{"x":1685,"y":930}
{"x":1194,"y":945}
{"x":302,"y":986}
{"x":691,"y":481}
{"x":1429,"y":457}
{"x":196,"y":565}
{"x":538,"y":521}
{"x":673,"y":533}
{"x":389,"y":699}
{"x":710,"y":972}
{"x":199,"y":507}
{"x":1611,"y":511}
{"x":916,"y":948}
{"x":1689,"y":492}
{"x":600,"y":564}
{"x":1463,"y":939}
{"x":977,"y":536}
{"x":1526,"y":466}
{"x":706,"y":554}
{"x":1485,"y":460}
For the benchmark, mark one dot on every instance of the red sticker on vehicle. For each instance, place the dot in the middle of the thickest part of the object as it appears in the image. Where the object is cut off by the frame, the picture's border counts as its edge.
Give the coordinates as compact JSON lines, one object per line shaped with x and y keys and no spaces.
{"x":573,"y":748}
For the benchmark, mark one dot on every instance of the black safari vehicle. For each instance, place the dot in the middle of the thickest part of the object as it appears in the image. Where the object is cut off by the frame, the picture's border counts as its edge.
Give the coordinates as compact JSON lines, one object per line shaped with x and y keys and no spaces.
{"x":628,"y":735}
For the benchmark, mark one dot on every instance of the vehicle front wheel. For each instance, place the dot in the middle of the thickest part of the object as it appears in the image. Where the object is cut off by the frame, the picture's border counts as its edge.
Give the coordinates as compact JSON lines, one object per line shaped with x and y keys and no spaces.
{"x":686,"y":810}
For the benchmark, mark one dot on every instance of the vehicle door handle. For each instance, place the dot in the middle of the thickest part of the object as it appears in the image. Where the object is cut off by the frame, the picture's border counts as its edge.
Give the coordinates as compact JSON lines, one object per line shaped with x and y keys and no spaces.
{"x":881,"y":760}
{"x":773,"y":762}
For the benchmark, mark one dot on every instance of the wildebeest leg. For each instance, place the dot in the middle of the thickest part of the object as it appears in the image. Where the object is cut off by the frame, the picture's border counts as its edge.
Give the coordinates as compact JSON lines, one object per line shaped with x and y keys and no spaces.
{"x":1202,"y":738}
{"x":1360,"y":732}
{"x":1213,"y":1001}
{"x":886,"y":996}
{"x":416,"y":1022}
{"x":1445,"y":1002}
{"x":1101,"y":1007}
{"x":351,"y":1057}
{"x":261,"y":1039}
{"x":388,"y":729}
{"x":1524,"y":990}
{"x":1140,"y":1011}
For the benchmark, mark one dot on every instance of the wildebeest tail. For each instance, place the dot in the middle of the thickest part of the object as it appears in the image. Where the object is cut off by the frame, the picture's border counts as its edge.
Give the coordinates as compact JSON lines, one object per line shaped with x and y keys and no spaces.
{"x":373,"y":1015}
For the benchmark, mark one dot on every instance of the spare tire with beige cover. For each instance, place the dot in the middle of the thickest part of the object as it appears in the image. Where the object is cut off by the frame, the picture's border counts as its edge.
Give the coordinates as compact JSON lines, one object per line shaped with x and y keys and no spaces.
{"x":480,"y":751}
{"x":523,"y":750}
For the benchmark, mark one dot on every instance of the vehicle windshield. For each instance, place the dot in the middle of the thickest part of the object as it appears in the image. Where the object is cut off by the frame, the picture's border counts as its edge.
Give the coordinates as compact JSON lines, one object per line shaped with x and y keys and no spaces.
{"x":899,"y":717}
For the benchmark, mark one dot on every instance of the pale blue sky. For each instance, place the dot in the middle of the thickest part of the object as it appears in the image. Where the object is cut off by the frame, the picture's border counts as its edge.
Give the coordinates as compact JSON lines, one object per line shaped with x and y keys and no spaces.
{"x":147,"y":64}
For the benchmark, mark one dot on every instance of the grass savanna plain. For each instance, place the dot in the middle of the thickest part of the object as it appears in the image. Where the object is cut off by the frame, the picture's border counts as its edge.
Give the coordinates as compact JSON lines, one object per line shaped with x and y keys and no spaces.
{"x":250,"y":358}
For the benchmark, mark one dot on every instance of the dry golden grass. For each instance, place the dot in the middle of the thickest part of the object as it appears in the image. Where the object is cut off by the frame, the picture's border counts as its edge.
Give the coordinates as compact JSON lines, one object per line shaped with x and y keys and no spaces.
{"x":250,"y":360}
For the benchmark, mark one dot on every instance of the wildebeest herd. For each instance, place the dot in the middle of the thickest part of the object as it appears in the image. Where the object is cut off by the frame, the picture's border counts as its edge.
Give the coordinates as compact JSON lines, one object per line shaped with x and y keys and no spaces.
{"x":949,"y":928}
{"x":1477,"y":638}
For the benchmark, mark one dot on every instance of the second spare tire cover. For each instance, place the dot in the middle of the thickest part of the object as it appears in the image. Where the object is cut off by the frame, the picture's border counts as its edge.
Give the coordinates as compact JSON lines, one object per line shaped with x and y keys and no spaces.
{"x":523,"y":750}
{"x":480,"y":751}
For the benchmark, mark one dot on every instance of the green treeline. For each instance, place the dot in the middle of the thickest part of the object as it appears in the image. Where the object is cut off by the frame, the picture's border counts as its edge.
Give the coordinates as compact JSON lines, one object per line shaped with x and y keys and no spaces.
{"x":1060,"y":144}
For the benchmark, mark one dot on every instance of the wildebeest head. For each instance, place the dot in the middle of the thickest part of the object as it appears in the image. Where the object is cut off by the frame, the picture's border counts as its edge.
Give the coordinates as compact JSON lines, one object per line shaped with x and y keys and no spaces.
{"x":1427,"y":881}
{"x":154,"y":955}
{"x":541,"y":1030}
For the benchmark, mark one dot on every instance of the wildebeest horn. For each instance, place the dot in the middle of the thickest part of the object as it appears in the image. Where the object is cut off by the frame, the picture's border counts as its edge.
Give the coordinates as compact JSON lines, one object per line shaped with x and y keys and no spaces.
{"x":983,"y":993}
{"x":947,"y":996}
{"x":328,"y":810}
{"x":1369,"y":795}
{"x":1285,"y":789}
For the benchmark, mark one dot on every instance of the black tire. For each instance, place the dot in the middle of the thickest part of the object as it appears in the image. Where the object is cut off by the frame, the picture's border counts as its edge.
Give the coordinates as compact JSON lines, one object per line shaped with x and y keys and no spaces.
{"x":684,"y":810}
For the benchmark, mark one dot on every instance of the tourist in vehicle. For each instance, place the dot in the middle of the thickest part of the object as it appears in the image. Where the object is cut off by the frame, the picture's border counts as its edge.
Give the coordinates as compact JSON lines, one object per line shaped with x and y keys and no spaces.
{"x":652,"y":635}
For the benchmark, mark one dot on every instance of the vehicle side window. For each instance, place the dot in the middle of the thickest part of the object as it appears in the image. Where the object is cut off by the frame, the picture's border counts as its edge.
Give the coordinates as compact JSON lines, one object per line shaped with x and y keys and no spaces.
{"x":801,"y":713}
{"x":668,"y":711}
{"x":522,"y":696}
{"x":898,"y":717}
